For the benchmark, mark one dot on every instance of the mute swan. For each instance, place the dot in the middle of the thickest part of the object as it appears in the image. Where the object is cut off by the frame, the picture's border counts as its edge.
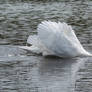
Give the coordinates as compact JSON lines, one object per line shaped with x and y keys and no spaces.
{"x":56,"y":39}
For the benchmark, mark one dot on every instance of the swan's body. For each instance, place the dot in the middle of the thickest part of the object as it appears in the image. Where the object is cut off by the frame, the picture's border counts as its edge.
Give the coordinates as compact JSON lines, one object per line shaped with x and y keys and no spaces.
{"x":56,"y":39}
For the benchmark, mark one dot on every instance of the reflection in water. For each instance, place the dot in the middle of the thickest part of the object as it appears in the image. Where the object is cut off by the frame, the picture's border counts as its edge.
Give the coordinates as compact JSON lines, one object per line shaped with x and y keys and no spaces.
{"x":84,"y":76}
{"x":21,"y":71}
{"x":39,"y":74}
{"x":56,"y":73}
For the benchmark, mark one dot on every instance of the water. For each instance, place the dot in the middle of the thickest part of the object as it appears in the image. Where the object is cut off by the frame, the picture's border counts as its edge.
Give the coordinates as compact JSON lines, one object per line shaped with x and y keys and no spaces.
{"x":22,"y":71}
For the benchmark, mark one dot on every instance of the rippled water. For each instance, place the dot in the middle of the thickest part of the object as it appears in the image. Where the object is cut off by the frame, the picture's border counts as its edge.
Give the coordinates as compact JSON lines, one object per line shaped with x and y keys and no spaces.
{"x":22,"y":71}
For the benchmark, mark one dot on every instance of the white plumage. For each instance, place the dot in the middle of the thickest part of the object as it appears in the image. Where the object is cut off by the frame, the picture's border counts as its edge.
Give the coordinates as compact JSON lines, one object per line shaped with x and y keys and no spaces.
{"x":56,"y":39}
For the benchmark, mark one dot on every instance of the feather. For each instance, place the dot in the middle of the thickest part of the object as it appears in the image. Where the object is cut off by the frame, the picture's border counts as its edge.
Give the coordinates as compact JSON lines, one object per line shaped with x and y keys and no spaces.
{"x":57,"y":39}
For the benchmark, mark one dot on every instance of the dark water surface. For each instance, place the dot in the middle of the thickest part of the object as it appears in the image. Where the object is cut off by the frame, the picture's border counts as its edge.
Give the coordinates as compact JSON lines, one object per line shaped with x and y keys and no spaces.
{"x":21,"y":71}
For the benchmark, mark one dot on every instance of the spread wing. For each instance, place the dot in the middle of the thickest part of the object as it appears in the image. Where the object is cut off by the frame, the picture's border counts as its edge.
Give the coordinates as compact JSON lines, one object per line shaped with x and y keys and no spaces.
{"x":60,"y":38}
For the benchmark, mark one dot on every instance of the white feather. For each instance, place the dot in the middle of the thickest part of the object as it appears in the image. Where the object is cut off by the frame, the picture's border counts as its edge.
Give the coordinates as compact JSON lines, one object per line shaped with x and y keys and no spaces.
{"x":37,"y":46}
{"x":57,"y":39}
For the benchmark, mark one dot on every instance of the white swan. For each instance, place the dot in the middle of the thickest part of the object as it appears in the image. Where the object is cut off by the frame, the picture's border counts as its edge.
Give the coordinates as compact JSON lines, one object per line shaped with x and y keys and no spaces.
{"x":56,"y":39}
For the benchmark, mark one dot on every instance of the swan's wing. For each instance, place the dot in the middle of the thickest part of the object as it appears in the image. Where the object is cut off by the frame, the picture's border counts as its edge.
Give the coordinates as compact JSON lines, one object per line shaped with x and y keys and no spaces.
{"x":69,"y":32}
{"x":48,"y":30}
{"x":59,"y":37}
{"x":45,"y":32}
{"x":33,"y":40}
{"x":33,"y":49}
{"x":37,"y":46}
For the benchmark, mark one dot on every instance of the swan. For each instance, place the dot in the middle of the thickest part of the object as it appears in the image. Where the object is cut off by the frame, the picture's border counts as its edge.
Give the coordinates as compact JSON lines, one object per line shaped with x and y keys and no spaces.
{"x":57,"y":39}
